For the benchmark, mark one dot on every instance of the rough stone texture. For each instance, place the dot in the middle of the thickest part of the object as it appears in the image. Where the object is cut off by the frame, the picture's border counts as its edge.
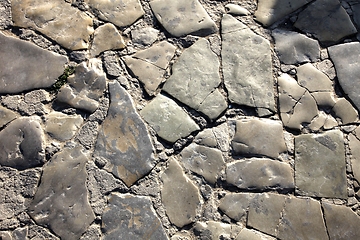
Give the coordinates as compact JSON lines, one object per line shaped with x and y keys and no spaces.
{"x":216,"y":137}
{"x":197,"y":68}
{"x":214,"y":230}
{"x":180,"y":18}
{"x":247,"y":68}
{"x":131,"y":217}
{"x":179,"y":195}
{"x":354,"y":145}
{"x":167,"y":118}
{"x":123,"y":139}
{"x":236,"y":205}
{"x":144,"y":36}
{"x":106,"y":37}
{"x":320,"y":165}
{"x":6,"y":116}
{"x":259,"y":137}
{"x":56,"y":19}
{"x":312,"y":79}
{"x":62,"y":126}
{"x":247,"y":234}
{"x":21,"y":60}
{"x":61,"y":199}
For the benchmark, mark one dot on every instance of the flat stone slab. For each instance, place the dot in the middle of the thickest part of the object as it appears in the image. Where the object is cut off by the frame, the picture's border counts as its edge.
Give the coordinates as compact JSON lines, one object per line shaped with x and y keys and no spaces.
{"x":61,"y":201}
{"x":123,"y":139}
{"x":216,"y":137}
{"x":180,"y":18}
{"x":345,"y":111}
{"x":62,"y":126}
{"x":20,"y":58}
{"x":56,"y":19}
{"x":106,"y":37}
{"x":354,"y":145}
{"x":320,"y":165}
{"x":236,"y":205}
{"x":312,"y":79}
{"x":131,"y":217}
{"x":6,"y":116}
{"x":215,"y":230}
{"x":246,"y":234}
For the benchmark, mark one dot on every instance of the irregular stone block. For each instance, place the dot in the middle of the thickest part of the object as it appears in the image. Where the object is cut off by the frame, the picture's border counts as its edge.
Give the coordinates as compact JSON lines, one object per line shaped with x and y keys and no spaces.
{"x":6,"y":116}
{"x":354,"y":144}
{"x":61,"y":199}
{"x":123,"y":139}
{"x":320,"y":165}
{"x":247,"y":234}
{"x":168,"y":119}
{"x":131,"y":217}
{"x":312,"y":79}
{"x":345,"y":111}
{"x":23,"y":59}
{"x":106,"y":37}
{"x":236,"y":10}
{"x":62,"y":126}
{"x":180,"y":18}
{"x":247,"y":66}
{"x":216,"y":137}
{"x":214,"y":230}
{"x":179,"y":195}
{"x":56,"y":19}
{"x":144,"y":36}
{"x":236,"y":205}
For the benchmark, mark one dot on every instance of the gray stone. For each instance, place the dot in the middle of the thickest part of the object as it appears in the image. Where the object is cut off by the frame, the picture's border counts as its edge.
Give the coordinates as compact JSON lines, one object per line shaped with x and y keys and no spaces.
{"x":144,"y":36}
{"x":23,"y":59}
{"x":325,"y":99}
{"x":106,"y":37}
{"x":6,"y":116}
{"x":332,"y":21}
{"x":87,"y":134}
{"x":216,"y":137}
{"x":236,"y":9}
{"x":180,"y":18}
{"x":131,"y":217}
{"x":123,"y":139}
{"x":356,"y":14}
{"x":61,"y":200}
{"x":312,"y":79}
{"x":247,"y":66}
{"x":214,"y":230}
{"x":168,"y":119}
{"x":247,"y":234}
{"x":295,"y":48}
{"x":236,"y":205}
{"x":62,"y":126}
{"x":38,"y":232}
{"x":22,"y":144}
{"x":354,"y":145}
{"x":111,"y":64}
{"x":56,"y":19}
{"x":195,"y":79}
{"x":345,"y":111}
{"x":320,"y":165}
{"x":181,"y":198}
{"x":259,"y":137}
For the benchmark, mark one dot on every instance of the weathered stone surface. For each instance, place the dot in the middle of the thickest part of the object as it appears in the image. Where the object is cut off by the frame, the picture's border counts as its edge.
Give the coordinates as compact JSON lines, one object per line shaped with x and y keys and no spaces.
{"x":214,"y":230}
{"x":119,"y":12}
{"x":6,"y":116}
{"x":84,"y":88}
{"x":345,"y":111}
{"x":236,"y":9}
{"x":56,"y":19}
{"x":325,"y":99}
{"x":312,"y":79}
{"x":235,"y":205}
{"x":168,"y":119}
{"x":144,"y":36}
{"x":62,"y":126}
{"x":195,"y":79}
{"x":180,"y":18}
{"x":259,"y":174}
{"x":61,"y":199}
{"x":345,"y":57}
{"x":131,"y":217}
{"x":247,"y":234}
{"x":295,"y":48}
{"x":332,"y":21}
{"x":179,"y":195}
{"x":247,"y":67}
{"x":20,"y":59}
{"x":270,"y":11}
{"x":22,"y":144}
{"x":320,"y":165}
{"x":216,"y":137}
{"x":123,"y":139}
{"x":106,"y":37}
{"x":342,"y":223}
{"x":259,"y":137}
{"x":354,"y":145}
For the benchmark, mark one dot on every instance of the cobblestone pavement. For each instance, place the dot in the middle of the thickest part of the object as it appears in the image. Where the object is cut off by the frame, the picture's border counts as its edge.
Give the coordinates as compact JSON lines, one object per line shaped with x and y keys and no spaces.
{"x":179,"y":119}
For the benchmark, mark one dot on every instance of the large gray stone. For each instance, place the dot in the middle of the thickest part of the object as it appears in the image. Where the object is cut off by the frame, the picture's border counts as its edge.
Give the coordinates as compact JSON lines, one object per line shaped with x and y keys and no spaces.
{"x":247,"y":66}
{"x":61,"y":199}
{"x":123,"y":139}
{"x":21,"y":61}
{"x":62,"y":126}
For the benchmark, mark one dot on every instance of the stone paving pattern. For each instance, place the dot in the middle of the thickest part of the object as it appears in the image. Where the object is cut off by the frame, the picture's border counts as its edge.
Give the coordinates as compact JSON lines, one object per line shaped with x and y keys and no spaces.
{"x":174,"y":119}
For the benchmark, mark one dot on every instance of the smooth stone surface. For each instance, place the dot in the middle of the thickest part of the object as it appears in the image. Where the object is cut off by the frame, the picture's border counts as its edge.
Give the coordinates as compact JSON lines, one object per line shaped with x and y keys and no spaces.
{"x":168,"y":119}
{"x":325,"y":99}
{"x":181,"y":198}
{"x":332,"y":21}
{"x":294,"y":48}
{"x":236,"y":205}
{"x":6,"y":116}
{"x":259,"y":174}
{"x":354,"y":145}
{"x":123,"y":139}
{"x":21,"y":59}
{"x":312,"y":79}
{"x":345,"y":111}
{"x":144,"y":36}
{"x":251,"y":234}
{"x":247,"y":66}
{"x":181,"y":18}
{"x":216,"y":137}
{"x":56,"y":19}
{"x":131,"y":217}
{"x":61,"y":201}
{"x":194,"y":79}
{"x":22,"y":144}
{"x":259,"y":137}
{"x":62,"y":126}
{"x":236,"y":9}
{"x":320,"y":165}
{"x":119,"y":12}
{"x":106,"y":37}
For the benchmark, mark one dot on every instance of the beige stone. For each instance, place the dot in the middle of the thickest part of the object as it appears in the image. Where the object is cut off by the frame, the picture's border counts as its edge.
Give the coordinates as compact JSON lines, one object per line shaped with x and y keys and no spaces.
{"x":312,"y":79}
{"x":345,"y":111}
{"x":236,"y":9}
{"x":251,"y":234}
{"x":213,"y":230}
{"x":217,"y":137}
{"x":325,"y":99}
{"x":236,"y":205}
{"x":106,"y":37}
{"x":62,"y":126}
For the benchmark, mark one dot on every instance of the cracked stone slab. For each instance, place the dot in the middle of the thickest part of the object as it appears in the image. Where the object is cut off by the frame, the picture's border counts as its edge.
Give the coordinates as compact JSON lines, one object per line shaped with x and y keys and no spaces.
{"x":6,"y":116}
{"x":312,"y":79}
{"x":181,"y":18}
{"x":236,"y":205}
{"x":123,"y":139}
{"x":62,"y":126}
{"x":168,"y":119}
{"x":179,"y":195}
{"x":122,"y":13}
{"x":131,"y":217}
{"x":56,"y":19}
{"x":195,"y":79}
{"x":216,"y":137}
{"x":22,"y":58}
{"x":61,"y":201}
{"x":354,"y":145}
{"x":106,"y":37}
{"x":247,"y":234}
{"x":247,"y":68}
{"x":320,"y":165}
